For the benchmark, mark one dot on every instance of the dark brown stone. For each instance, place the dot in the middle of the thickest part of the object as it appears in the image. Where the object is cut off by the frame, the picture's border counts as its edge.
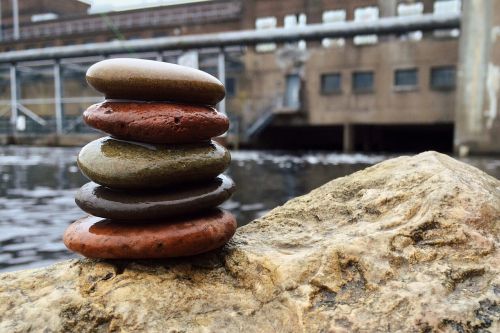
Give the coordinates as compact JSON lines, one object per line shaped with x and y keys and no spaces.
{"x":148,"y":80}
{"x":156,"y":122}
{"x":95,"y":237}
{"x":184,"y":199}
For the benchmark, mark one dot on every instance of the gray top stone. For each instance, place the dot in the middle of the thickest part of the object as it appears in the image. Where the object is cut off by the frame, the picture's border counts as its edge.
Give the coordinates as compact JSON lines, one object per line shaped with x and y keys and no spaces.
{"x":148,"y":80}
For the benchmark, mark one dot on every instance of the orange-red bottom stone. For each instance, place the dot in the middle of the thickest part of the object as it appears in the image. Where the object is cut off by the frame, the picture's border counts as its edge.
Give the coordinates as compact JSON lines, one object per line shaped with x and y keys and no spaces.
{"x":95,"y":237}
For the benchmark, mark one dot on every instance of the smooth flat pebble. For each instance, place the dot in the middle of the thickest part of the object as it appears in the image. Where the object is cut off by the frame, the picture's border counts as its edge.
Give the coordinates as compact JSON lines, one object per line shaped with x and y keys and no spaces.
{"x":95,"y":237}
{"x":119,"y":164}
{"x":155,"y":122}
{"x":101,"y":201}
{"x":149,"y":80}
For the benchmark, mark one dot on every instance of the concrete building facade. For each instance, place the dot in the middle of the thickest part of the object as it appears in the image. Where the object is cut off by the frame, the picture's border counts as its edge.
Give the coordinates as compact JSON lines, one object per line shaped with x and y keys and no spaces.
{"x":394,"y":92}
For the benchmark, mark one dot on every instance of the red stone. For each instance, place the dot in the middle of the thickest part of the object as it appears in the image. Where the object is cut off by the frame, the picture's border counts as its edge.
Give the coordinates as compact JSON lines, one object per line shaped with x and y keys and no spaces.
{"x":95,"y":237}
{"x":156,"y":122}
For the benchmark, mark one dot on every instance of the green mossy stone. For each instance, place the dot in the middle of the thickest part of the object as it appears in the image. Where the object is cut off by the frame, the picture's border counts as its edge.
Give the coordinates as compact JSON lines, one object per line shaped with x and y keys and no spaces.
{"x":131,"y":165}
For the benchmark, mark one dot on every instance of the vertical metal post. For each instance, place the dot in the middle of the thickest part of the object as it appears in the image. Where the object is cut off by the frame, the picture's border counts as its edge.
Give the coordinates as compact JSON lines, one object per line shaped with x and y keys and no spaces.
{"x":15,"y":18}
{"x":221,"y":73}
{"x":159,"y":56}
{"x":1,"y":32}
{"x":348,"y":138}
{"x":58,"y":98}
{"x":13,"y":99}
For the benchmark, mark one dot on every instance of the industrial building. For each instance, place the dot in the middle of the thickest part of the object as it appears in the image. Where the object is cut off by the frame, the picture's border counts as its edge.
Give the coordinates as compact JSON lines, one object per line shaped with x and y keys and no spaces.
{"x":397,"y":91}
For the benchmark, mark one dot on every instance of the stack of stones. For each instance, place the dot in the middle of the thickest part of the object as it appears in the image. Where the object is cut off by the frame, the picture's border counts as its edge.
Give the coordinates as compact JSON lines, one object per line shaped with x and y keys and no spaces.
{"x":156,"y":181}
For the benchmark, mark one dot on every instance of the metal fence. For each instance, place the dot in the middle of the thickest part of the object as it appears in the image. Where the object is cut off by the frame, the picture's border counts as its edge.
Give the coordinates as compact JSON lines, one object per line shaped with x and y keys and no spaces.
{"x":44,"y":90}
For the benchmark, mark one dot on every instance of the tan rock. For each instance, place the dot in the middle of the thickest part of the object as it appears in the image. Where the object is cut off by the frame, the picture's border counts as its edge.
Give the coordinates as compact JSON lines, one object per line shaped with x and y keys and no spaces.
{"x":408,"y":245}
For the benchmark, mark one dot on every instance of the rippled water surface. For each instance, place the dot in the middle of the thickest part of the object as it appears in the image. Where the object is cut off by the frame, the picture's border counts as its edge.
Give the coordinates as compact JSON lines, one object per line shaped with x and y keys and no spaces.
{"x":37,"y":187}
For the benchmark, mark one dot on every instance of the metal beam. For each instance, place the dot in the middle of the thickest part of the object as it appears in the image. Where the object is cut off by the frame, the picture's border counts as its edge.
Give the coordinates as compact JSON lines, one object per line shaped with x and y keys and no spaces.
{"x":76,"y":100}
{"x":221,"y":74}
{"x":1,"y":21}
{"x":386,"y":25}
{"x":32,"y":115}
{"x":15,"y":18}
{"x":13,"y":99}
{"x":58,"y":97}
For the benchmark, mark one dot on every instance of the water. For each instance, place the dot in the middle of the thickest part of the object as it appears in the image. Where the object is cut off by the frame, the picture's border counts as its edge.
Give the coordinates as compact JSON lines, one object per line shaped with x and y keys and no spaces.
{"x":37,"y":187}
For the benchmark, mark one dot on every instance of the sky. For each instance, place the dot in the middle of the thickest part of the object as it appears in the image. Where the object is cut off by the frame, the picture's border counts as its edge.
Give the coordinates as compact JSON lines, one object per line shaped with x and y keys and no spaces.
{"x":113,"y":5}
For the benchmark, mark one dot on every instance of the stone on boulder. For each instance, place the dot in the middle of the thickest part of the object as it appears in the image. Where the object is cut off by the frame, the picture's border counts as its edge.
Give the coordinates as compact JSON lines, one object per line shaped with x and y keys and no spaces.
{"x":408,"y":245}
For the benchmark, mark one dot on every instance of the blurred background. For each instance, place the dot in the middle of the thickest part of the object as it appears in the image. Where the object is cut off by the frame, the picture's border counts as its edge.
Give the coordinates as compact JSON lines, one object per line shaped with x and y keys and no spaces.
{"x":316,"y":89}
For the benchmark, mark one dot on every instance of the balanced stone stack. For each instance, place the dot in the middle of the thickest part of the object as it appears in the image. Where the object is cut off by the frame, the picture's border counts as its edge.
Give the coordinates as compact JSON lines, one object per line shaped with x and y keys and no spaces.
{"x":156,"y":181}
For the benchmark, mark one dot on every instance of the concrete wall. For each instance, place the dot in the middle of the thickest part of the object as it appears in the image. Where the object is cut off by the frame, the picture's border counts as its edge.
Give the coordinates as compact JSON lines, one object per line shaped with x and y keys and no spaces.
{"x":261,"y":79}
{"x":477,"y":120}
{"x":384,"y":105}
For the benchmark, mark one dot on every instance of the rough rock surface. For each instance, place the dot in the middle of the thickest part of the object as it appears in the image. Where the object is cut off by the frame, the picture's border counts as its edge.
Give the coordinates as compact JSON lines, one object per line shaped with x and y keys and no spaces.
{"x":408,"y":245}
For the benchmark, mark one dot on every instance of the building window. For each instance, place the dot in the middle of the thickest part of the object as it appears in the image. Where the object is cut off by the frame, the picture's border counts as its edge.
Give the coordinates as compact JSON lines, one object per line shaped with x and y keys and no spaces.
{"x":230,"y":86}
{"x":447,"y":7}
{"x":411,"y":10}
{"x":266,"y":23}
{"x":44,"y":17}
{"x":443,"y":78}
{"x":292,"y":93}
{"x":293,"y":21}
{"x":406,"y":78}
{"x":331,"y":83}
{"x":366,"y":14}
{"x":362,"y":82}
{"x":330,"y":17}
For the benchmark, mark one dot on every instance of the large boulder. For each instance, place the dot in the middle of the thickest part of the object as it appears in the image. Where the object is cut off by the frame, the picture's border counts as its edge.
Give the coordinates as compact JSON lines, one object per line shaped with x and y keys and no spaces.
{"x":408,"y":245}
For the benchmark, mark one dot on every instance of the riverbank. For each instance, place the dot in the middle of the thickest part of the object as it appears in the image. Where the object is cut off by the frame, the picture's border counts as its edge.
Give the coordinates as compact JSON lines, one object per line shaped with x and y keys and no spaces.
{"x":38,"y":186}
{"x":410,"y":244}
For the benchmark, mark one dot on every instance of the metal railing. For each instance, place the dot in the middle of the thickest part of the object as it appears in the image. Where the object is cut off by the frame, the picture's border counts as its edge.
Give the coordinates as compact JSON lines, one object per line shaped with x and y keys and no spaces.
{"x":383,"y":26}
{"x":171,"y":16}
{"x":55,"y":56}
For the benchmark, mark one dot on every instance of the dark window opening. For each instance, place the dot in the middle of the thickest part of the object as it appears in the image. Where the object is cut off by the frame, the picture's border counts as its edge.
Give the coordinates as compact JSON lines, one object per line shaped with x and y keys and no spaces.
{"x":292,"y":93}
{"x":362,"y":82}
{"x":406,"y":78}
{"x":331,"y":83}
{"x":159,"y":34}
{"x":230,"y":86}
{"x":443,"y":78}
